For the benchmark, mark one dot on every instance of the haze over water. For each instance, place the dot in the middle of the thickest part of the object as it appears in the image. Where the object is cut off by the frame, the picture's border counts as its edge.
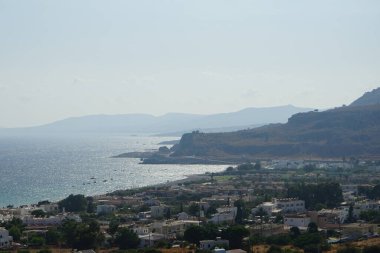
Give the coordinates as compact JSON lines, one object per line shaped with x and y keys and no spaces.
{"x":52,"y":167}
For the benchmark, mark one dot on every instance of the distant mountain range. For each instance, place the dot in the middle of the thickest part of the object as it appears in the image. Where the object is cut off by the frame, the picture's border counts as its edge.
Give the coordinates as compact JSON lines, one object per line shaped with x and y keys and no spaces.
{"x":341,"y":132}
{"x":170,"y":124}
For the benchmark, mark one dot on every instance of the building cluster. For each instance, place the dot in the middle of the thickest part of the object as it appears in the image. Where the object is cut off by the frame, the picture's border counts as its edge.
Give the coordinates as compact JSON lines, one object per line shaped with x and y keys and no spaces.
{"x":166,"y":212}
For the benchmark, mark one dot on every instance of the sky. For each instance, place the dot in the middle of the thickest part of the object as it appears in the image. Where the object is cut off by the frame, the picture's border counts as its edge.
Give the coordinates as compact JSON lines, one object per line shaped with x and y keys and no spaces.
{"x":67,"y":58}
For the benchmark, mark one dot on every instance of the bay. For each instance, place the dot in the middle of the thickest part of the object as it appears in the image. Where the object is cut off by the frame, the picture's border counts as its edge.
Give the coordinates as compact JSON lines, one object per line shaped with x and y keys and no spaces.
{"x":50,"y":167}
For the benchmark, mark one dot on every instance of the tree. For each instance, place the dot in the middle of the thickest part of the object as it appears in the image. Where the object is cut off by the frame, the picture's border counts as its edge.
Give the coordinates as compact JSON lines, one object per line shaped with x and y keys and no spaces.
{"x":38,"y":213}
{"x":74,"y":203}
{"x":235,"y":235}
{"x":274,"y":249}
{"x":90,"y":205}
{"x":82,"y":235}
{"x":241,"y":211}
{"x":307,"y":239}
{"x":126,"y":239}
{"x":261,"y":212}
{"x":312,"y":227}
{"x":328,"y":194}
{"x":113,"y":226}
{"x":193,"y":209}
{"x":44,"y":251}
{"x":294,"y":232}
{"x":37,"y":240}
{"x":52,"y":236}
{"x":245,"y":167}
{"x":194,"y":234}
{"x":350,"y":217}
{"x":372,"y":249}
{"x":375,"y":192}
{"x":349,"y":249}
{"x":15,"y":232}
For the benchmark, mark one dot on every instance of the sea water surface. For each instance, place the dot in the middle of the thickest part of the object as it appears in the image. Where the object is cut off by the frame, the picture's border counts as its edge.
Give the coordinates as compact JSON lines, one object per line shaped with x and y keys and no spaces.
{"x":35,"y":168}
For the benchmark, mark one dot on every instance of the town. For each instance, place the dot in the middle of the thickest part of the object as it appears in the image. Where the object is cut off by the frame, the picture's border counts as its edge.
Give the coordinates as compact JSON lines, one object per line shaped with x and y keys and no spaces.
{"x":266,"y":206}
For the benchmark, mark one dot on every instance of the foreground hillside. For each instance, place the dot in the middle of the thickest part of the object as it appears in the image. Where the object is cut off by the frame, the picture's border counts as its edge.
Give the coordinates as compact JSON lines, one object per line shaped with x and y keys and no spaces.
{"x":336,"y":133}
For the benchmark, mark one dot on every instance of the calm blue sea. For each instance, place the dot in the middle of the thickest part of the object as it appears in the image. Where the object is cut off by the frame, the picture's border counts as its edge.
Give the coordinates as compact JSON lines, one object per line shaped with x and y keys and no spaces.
{"x":34,"y":168}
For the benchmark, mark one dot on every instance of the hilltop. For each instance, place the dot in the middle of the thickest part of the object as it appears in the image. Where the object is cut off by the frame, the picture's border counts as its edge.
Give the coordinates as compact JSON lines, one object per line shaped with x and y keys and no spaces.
{"x":348,"y":131}
{"x":369,"y":98}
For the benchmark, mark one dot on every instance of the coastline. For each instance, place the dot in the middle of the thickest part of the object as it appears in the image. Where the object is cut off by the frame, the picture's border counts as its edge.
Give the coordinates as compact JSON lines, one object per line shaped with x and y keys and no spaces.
{"x":187,"y":178}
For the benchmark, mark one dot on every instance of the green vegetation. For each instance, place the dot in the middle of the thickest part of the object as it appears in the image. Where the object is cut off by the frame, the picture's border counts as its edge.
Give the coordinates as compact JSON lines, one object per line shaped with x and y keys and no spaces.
{"x":235,"y":235}
{"x":126,"y":239}
{"x":74,"y":203}
{"x":325,"y":194}
{"x":81,"y":235}
{"x":194,"y":234}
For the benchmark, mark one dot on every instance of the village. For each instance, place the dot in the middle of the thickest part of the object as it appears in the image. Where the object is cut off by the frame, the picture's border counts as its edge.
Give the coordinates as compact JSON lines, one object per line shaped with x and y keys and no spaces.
{"x":266,"y":206}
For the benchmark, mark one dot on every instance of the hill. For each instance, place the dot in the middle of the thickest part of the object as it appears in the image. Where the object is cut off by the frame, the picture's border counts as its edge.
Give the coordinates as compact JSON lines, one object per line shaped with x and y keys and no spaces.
{"x":341,"y":132}
{"x":168,"y":123}
{"x":369,"y":98}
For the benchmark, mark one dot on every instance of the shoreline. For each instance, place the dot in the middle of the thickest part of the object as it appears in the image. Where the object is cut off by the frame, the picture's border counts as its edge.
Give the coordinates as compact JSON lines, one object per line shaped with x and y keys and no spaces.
{"x":187,"y":178}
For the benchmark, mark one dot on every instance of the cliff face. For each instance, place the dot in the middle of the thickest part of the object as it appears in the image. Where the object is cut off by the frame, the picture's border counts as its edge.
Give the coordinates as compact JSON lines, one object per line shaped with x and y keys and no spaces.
{"x":345,"y":131}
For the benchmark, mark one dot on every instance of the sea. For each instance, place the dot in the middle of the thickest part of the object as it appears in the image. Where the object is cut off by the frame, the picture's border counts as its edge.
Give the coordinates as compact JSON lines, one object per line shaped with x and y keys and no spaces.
{"x":51,"y":167}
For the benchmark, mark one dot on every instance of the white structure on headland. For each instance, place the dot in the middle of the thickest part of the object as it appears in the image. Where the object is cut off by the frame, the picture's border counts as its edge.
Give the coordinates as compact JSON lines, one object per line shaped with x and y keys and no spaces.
{"x":5,"y":239}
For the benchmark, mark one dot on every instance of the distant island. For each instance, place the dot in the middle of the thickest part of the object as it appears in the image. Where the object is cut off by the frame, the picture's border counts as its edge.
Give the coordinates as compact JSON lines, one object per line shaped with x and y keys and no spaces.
{"x":171,"y":124}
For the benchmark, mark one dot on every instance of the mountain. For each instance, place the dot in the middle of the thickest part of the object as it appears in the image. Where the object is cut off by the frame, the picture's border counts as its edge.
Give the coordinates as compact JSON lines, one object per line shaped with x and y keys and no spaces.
{"x":171,"y":122}
{"x":336,"y":133}
{"x":369,"y":98}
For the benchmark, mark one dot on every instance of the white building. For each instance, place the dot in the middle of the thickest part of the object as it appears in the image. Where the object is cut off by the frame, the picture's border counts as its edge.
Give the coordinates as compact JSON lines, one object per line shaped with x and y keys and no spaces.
{"x":210,"y":244}
{"x":173,"y":228}
{"x":5,"y":239}
{"x":296,"y":220}
{"x":224,"y":215}
{"x":268,"y":207}
{"x":142,"y":230}
{"x":105,"y":209}
{"x":150,"y":239}
{"x":30,"y":220}
{"x":336,"y":215}
{"x":290,"y":205}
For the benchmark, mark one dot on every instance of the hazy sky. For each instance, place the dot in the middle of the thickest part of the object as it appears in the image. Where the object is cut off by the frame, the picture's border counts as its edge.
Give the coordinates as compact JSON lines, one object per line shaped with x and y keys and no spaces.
{"x":70,"y":58}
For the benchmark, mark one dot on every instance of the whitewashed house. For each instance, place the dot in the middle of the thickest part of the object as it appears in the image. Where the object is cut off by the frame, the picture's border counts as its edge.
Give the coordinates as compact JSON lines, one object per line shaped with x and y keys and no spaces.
{"x":5,"y":239}
{"x":296,"y":220}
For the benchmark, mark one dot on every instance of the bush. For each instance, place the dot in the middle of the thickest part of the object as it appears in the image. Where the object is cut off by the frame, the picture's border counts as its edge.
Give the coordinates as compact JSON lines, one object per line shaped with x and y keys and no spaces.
{"x":44,"y":251}
{"x":372,"y":249}
{"x":349,"y":249}
{"x":278,"y":239}
{"x":274,"y":249}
